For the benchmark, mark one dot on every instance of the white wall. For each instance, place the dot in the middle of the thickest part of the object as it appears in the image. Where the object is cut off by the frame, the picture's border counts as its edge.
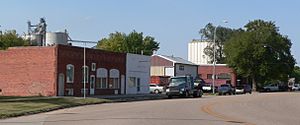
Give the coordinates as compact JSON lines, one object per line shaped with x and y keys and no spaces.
{"x":196,"y":52}
{"x":138,"y":66}
{"x":169,"y":71}
{"x":188,"y":70}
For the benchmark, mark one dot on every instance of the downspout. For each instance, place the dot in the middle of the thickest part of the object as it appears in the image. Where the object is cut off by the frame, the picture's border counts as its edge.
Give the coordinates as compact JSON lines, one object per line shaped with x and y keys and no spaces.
{"x":56,"y":69}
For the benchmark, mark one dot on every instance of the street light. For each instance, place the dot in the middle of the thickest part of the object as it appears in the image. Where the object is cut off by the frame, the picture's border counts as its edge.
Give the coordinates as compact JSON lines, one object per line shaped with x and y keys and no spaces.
{"x":214,"y":59}
{"x":84,"y":63}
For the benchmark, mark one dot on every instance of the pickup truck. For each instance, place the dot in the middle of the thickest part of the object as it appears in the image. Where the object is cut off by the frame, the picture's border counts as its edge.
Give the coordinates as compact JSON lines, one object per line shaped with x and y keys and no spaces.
{"x":271,"y":87}
{"x":207,"y":87}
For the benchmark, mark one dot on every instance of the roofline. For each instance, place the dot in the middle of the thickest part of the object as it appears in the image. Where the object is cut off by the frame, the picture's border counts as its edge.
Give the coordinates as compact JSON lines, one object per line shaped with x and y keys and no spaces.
{"x":187,"y":64}
{"x":213,"y":65}
{"x":173,"y":61}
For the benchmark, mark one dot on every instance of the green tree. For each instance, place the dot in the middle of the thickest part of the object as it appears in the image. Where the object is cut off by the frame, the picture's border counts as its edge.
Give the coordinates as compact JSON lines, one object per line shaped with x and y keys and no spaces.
{"x":296,"y":74}
{"x":134,"y":42}
{"x":11,"y":38}
{"x":260,"y":52}
{"x":222,"y":35}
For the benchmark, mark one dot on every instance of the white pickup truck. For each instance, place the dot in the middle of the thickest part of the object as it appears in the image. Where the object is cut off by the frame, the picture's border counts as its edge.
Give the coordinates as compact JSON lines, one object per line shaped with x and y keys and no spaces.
{"x":154,"y":88}
{"x":207,"y":87}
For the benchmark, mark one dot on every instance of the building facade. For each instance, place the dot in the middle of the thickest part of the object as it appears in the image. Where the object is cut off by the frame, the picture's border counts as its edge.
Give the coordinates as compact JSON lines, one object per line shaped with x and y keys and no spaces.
{"x":196,"y":52}
{"x":162,"y":65}
{"x":58,"y":71}
{"x":224,"y":74}
{"x":137,"y":74}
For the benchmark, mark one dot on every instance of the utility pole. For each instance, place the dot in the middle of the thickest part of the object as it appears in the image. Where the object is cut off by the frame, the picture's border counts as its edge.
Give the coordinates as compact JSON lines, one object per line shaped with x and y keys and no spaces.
{"x":84,"y":64}
{"x":214,"y":59}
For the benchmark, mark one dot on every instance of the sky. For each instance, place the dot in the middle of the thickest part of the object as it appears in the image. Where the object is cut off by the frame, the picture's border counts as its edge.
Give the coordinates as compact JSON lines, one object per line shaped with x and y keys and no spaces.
{"x":173,"y":23}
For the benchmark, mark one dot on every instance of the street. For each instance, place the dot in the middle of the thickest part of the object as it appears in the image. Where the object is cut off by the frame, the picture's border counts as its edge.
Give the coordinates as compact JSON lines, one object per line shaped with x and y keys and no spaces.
{"x":258,"y":108}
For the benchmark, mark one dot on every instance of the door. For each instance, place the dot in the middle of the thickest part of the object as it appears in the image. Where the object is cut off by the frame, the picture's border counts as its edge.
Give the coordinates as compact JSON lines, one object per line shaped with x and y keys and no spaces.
{"x":92,"y":84}
{"x":138,"y":82}
{"x":123,"y":84}
{"x":61,"y":84}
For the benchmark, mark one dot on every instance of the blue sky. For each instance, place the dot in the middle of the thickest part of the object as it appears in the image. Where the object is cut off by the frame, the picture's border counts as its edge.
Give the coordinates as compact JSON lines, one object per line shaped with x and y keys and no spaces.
{"x":173,"y":23}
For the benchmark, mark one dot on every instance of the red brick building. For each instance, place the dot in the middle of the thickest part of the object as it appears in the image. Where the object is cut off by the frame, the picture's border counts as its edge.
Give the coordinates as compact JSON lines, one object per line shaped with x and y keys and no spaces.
{"x":58,"y":70}
{"x":224,"y":74}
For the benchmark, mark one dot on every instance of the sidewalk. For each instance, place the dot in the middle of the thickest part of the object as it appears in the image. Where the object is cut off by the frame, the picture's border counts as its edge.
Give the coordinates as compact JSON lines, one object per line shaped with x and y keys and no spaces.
{"x":132,"y":97}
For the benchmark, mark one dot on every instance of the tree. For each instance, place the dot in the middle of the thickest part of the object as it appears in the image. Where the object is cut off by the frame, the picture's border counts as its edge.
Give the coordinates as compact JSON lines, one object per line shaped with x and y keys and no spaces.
{"x":296,"y":74}
{"x":11,"y":38}
{"x":222,"y":35}
{"x":260,"y":52}
{"x":134,"y":42}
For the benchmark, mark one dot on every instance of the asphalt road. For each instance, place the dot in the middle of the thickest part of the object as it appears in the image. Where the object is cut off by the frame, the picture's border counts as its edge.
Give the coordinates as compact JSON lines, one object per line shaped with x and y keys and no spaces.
{"x":260,"y":109}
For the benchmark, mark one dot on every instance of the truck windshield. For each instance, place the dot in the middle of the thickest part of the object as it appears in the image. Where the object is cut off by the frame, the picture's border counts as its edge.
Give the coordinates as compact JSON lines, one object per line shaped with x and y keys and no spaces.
{"x":177,"y":81}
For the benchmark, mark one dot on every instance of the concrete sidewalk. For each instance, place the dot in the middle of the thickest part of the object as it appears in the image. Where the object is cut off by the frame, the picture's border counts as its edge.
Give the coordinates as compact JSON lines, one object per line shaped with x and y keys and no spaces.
{"x":132,"y":97}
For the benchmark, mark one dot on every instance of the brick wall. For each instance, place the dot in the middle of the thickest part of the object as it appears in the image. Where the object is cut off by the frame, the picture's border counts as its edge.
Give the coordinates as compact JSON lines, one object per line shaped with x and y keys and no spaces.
{"x":28,"y":71}
{"x":205,"y":70}
{"x":103,"y":59}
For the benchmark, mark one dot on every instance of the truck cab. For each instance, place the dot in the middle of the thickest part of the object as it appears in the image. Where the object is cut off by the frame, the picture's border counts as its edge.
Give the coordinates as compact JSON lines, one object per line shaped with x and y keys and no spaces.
{"x":183,"y":86}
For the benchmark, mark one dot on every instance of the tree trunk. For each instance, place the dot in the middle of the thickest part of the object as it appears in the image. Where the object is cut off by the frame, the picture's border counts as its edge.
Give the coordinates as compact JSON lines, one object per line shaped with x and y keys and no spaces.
{"x":253,"y":83}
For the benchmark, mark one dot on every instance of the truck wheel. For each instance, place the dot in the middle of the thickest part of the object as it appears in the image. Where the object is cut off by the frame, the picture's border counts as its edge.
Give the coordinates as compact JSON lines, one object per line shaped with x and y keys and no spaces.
{"x":187,"y":94}
{"x":200,"y":93}
{"x":169,"y":96}
{"x":156,"y":91}
{"x":196,"y":94}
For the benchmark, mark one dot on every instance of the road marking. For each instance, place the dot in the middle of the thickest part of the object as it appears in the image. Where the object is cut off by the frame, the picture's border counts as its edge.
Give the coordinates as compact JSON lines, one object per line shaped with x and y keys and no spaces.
{"x":208,"y":109}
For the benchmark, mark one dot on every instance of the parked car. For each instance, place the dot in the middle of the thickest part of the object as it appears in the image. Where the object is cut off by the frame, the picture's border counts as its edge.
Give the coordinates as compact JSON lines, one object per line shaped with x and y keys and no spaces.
{"x":226,"y":89}
{"x":207,"y":87}
{"x":239,"y":90}
{"x":154,"y":88}
{"x":271,"y":88}
{"x":247,"y":89}
{"x":296,"y":87}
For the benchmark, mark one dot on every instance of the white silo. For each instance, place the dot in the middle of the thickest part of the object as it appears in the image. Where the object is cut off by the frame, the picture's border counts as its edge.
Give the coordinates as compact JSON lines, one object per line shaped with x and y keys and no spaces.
{"x":37,"y":39}
{"x":53,"y":38}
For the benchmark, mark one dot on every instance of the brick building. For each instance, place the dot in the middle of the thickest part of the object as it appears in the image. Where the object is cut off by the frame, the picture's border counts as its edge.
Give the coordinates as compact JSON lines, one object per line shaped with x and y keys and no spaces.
{"x":224,"y":74}
{"x":58,"y":70}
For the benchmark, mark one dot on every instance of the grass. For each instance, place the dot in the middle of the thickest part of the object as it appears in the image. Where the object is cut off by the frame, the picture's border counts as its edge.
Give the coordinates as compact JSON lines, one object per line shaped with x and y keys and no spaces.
{"x":17,"y":106}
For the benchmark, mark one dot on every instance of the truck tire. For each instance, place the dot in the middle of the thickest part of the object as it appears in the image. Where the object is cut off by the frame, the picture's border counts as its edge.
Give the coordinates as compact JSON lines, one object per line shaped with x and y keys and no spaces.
{"x":156,"y":91}
{"x":169,"y":96}
{"x":196,"y":94}
{"x":187,"y":94}
{"x":201,"y":93}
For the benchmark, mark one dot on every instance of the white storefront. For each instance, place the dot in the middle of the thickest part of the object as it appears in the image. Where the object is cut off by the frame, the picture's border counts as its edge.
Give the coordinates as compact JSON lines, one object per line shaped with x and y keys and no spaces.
{"x":137,"y":74}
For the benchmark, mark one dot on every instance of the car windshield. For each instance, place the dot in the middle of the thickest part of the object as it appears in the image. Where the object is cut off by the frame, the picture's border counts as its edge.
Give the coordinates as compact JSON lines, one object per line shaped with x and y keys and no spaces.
{"x":207,"y":85}
{"x":177,"y":81}
{"x":239,"y":87}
